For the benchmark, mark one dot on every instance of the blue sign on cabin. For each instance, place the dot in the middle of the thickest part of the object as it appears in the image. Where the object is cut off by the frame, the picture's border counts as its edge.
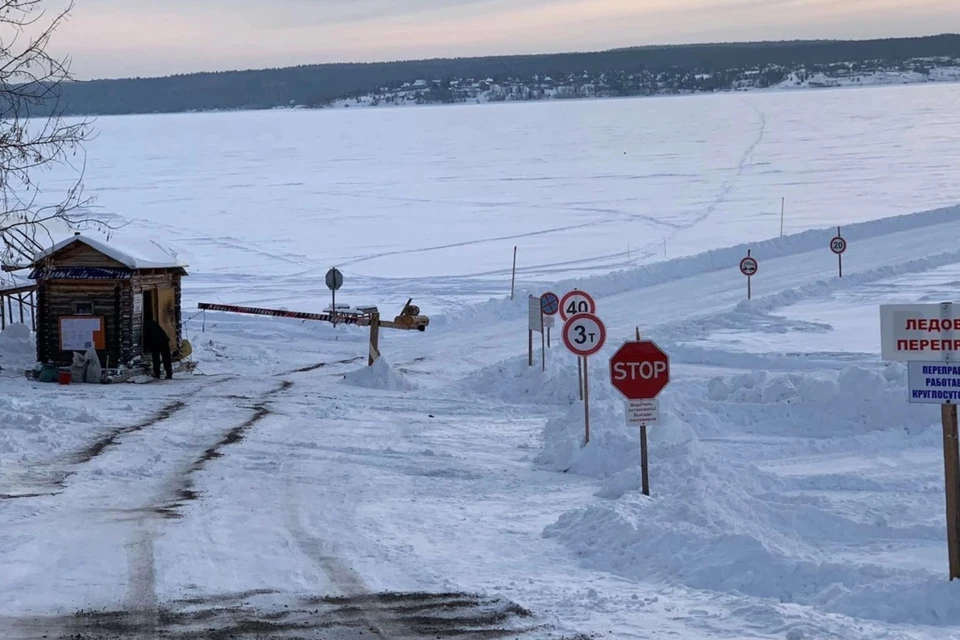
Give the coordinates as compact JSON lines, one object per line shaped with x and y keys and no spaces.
{"x":80,"y":273}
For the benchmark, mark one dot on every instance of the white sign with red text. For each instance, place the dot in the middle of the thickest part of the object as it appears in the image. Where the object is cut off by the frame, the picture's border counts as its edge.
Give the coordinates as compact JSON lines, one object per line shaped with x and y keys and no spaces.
{"x":914,"y":332}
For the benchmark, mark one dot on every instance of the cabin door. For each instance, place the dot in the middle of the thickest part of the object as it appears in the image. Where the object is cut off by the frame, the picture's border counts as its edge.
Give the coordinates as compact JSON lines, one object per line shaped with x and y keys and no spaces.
{"x":160,"y":305}
{"x":167,"y":314}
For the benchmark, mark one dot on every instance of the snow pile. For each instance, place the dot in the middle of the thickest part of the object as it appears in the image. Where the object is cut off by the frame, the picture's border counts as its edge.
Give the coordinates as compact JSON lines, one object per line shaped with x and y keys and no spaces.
{"x":515,"y":381}
{"x":848,"y":402}
{"x":39,"y":426}
{"x":727,"y":527}
{"x":613,"y":453}
{"x":16,"y":347}
{"x":723,"y":524}
{"x":380,"y":376}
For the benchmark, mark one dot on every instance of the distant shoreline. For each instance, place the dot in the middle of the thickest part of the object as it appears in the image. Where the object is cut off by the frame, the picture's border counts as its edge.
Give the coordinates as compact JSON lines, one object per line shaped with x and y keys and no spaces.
{"x":646,"y":71}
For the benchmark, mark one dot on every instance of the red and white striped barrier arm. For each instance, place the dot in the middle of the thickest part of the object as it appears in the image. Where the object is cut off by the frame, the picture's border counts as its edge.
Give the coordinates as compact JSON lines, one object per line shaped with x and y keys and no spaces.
{"x":278,"y":313}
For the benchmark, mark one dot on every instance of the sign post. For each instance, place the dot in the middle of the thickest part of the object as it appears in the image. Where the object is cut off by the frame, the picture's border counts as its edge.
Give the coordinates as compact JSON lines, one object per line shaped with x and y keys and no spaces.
{"x":839,"y":245}
{"x":640,"y":370}
{"x":584,"y":334}
{"x":534,"y":323}
{"x":538,"y":321}
{"x":334,"y":281}
{"x":513,"y":273}
{"x":926,"y":337}
{"x":550,"y":305}
{"x":748,"y":267}
{"x":571,"y":304}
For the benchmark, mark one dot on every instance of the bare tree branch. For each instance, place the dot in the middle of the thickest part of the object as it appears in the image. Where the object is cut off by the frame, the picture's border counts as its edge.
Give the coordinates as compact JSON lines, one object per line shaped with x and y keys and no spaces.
{"x":34,"y":136}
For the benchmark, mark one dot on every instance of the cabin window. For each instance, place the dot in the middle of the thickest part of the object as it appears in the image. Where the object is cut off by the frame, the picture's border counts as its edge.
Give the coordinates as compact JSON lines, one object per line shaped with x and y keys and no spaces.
{"x":83,"y":308}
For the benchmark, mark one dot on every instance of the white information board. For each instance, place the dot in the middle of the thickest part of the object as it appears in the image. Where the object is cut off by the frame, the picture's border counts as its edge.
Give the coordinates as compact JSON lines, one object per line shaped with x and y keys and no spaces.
{"x":643,"y":412}
{"x":920,"y":332}
{"x":77,"y":333}
{"x":934,"y":382}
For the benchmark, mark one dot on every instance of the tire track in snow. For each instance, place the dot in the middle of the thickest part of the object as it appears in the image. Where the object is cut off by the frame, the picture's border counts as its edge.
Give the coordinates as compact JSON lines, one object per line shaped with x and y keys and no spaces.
{"x":183,"y":490}
{"x":142,"y":601}
{"x":58,"y":479}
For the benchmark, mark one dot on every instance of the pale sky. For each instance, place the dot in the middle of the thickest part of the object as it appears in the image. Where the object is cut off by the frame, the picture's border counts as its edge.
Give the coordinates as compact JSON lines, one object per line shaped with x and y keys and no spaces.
{"x":122,"y":38}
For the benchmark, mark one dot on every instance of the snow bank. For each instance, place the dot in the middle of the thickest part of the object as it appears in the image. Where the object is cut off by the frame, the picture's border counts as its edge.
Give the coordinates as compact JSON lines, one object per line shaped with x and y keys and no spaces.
{"x":755,"y":314}
{"x":17,"y":348}
{"x":35,"y":426}
{"x":714,"y":260}
{"x":380,"y":376}
{"x":723,"y":524}
{"x":851,"y":401}
{"x":516,"y":382}
{"x":613,"y":453}
{"x":725,"y":527}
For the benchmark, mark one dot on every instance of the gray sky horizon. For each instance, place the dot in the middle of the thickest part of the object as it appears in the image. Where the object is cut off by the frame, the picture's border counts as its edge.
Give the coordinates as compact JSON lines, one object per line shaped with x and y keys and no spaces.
{"x":127,"y":38}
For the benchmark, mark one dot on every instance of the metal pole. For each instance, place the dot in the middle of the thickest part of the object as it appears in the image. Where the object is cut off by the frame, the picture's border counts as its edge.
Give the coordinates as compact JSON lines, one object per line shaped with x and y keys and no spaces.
{"x":586,"y":401}
{"x":951,"y":460}
{"x":580,"y":376}
{"x":543,"y":345}
{"x":513,"y":276}
{"x":644,"y":468}
{"x":783,"y":204}
{"x":839,"y":257}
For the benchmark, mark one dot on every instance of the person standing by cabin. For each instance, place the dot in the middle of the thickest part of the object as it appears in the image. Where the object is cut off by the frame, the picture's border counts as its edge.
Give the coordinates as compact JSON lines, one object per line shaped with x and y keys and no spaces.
{"x":156,"y":340}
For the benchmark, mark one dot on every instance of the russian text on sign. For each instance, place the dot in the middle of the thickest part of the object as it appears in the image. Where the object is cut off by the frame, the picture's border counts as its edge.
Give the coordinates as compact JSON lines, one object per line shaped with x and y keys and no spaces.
{"x":931,"y":324}
{"x":917,"y":332}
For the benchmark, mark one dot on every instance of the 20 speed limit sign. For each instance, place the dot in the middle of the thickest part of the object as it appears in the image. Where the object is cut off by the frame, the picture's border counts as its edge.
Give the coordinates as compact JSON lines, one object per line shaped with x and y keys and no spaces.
{"x":838,"y":245}
{"x":584,"y":334}
{"x":576,"y":302}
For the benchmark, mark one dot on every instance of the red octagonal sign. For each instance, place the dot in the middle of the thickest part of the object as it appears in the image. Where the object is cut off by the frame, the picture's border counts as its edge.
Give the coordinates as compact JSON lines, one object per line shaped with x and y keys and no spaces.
{"x":640,"y":370}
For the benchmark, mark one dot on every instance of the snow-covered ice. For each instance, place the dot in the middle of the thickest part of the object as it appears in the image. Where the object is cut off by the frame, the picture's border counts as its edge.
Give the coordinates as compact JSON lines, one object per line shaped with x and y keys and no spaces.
{"x":795,"y":492}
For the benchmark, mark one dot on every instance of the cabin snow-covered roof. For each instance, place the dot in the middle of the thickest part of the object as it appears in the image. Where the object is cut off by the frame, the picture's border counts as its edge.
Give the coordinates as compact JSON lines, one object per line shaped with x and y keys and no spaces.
{"x":144,"y":255}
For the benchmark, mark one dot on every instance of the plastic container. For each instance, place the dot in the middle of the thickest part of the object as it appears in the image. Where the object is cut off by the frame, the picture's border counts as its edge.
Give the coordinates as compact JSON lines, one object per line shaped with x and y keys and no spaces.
{"x":65,"y":377}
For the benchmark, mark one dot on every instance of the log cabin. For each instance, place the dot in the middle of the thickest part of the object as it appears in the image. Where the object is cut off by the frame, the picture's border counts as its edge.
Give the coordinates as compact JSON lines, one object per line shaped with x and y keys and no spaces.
{"x":91,"y":293}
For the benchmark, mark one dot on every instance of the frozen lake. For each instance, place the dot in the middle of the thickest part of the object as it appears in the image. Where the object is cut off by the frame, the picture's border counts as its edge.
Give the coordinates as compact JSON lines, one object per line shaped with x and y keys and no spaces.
{"x":430,"y":201}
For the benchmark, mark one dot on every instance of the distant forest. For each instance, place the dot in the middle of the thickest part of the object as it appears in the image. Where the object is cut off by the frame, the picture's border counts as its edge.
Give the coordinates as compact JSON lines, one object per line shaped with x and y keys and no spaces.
{"x":318,"y":85}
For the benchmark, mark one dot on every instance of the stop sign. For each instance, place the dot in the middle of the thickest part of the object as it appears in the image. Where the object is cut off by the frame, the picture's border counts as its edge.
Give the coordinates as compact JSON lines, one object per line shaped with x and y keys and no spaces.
{"x":640,"y":370}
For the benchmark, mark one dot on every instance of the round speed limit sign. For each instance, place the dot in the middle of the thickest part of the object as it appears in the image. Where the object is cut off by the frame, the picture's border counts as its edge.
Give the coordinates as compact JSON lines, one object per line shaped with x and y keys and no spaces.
{"x":584,"y":334}
{"x":838,"y":245}
{"x":576,"y":302}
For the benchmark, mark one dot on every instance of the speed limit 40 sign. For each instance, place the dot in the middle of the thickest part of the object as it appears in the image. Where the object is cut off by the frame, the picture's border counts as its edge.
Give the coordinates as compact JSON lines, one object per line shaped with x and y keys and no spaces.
{"x":576,"y":302}
{"x":584,"y":334}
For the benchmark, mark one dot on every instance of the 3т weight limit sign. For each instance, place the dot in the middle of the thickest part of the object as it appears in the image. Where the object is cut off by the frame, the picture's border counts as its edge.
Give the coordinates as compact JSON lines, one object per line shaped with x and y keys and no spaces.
{"x":584,"y":334}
